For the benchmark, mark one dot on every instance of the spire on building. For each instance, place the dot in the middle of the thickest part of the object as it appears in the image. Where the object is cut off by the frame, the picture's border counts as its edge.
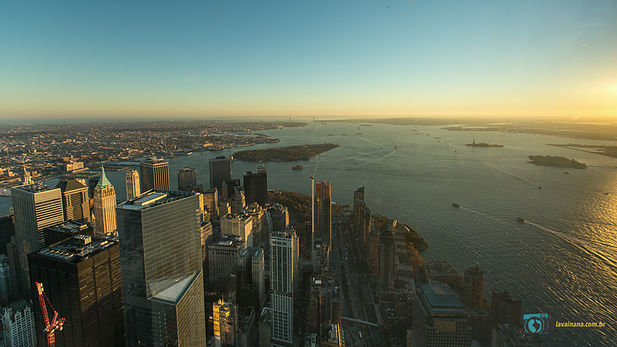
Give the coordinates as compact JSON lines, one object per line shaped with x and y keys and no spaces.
{"x":103,"y":181}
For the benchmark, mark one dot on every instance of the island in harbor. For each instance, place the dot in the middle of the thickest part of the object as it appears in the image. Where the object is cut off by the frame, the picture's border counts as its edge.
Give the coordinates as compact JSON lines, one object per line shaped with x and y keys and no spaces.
{"x":290,"y":153}
{"x":483,"y":144}
{"x":556,"y":161}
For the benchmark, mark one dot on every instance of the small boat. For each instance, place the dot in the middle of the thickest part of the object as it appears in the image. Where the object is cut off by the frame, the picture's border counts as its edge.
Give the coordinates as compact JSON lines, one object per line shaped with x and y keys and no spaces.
{"x":539,"y":187}
{"x":521,"y":220}
{"x":395,"y":148}
{"x":297,"y":167}
{"x":454,"y":204}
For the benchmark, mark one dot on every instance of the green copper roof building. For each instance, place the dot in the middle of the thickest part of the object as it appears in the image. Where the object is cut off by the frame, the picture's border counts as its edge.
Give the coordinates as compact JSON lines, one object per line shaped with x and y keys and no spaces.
{"x":103,"y":181}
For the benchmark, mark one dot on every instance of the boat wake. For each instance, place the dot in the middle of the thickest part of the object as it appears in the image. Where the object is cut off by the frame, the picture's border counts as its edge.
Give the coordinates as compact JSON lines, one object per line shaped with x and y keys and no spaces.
{"x":588,"y":247}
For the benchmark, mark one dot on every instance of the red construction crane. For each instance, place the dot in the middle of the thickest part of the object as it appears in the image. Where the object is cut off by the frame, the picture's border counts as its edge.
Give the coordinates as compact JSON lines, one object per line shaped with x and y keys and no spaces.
{"x":55,"y":324}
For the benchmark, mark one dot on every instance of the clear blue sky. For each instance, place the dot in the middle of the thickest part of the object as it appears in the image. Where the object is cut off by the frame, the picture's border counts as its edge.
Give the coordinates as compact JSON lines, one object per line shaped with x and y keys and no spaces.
{"x":322,"y":57}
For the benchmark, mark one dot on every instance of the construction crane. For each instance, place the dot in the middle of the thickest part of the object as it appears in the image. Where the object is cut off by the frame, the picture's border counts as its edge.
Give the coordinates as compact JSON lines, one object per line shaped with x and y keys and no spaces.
{"x":56,"y":322}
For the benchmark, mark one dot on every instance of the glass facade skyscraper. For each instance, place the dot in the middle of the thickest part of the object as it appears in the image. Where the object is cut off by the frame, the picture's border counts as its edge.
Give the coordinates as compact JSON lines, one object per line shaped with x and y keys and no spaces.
{"x":162,"y":275}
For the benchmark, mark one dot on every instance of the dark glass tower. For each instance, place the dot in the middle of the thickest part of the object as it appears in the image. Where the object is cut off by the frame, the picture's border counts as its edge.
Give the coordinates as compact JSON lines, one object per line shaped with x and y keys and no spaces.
{"x":82,"y":280}
{"x":220,"y":171}
{"x":162,"y":275}
{"x":256,"y":187}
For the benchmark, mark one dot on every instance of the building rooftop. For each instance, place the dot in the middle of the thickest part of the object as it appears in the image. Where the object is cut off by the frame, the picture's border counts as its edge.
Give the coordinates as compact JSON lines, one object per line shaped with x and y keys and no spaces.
{"x":103,"y":181}
{"x":171,"y":290}
{"x":69,"y":185}
{"x":229,"y":241}
{"x":35,"y":188}
{"x":76,"y":248}
{"x":253,"y":252}
{"x":154,"y":198}
{"x":440,"y":295}
{"x":70,"y":227}
{"x":439,"y":267}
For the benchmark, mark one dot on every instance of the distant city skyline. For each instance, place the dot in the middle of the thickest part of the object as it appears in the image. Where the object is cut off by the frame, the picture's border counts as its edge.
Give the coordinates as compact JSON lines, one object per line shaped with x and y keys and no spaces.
{"x":324,"y":58}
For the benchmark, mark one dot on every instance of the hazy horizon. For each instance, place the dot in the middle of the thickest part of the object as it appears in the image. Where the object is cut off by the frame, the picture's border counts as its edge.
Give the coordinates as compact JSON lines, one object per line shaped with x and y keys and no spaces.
{"x":356,"y":59}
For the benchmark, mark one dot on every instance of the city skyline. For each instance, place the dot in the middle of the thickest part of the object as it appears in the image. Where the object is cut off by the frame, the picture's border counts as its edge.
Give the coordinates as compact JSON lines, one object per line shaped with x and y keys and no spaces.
{"x":344,"y":58}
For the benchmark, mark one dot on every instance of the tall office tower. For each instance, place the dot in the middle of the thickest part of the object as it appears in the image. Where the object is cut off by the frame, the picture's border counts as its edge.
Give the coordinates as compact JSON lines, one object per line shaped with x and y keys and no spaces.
{"x":205,"y":232}
{"x":506,"y":309}
{"x":279,"y":216}
{"x":365,"y":225}
{"x":260,"y":224}
{"x":253,"y":260}
{"x":16,"y":284}
{"x":283,"y":278}
{"x":81,"y":277}
{"x":265,"y":327}
{"x":358,"y":195}
{"x":440,"y":319}
{"x":224,"y":258}
{"x":133,"y":189}
{"x":75,"y":200}
{"x":225,"y":322}
{"x":228,"y":188}
{"x":154,"y":174}
{"x":211,"y":202}
{"x":5,"y":277}
{"x":373,"y":250}
{"x":239,"y":200}
{"x":187,"y":179}
{"x":256,"y":186}
{"x":104,"y":207}
{"x":18,"y":325}
{"x":7,"y":230}
{"x":224,"y":208}
{"x":387,"y":255}
{"x":162,"y":276}
{"x":323,"y":222}
{"x":220,"y":171}
{"x":36,"y":207}
{"x":238,"y":224}
{"x":473,"y":287}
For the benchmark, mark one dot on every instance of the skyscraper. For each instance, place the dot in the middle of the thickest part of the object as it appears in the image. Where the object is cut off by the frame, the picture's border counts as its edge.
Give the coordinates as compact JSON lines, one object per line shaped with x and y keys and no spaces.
{"x":473,"y":287}
{"x":387,"y":255}
{"x":36,"y":207}
{"x":75,"y":200}
{"x":256,"y":186}
{"x":154,"y":174}
{"x":104,"y":207}
{"x":223,"y":260}
{"x":18,"y":325}
{"x":238,"y":224}
{"x":5,"y":277}
{"x":132,"y":184}
{"x":220,"y":171}
{"x":284,"y":275}
{"x":239,"y":200}
{"x":82,"y":280}
{"x":162,"y":276}
{"x":323,"y":202}
{"x":440,"y":319}
{"x":211,"y":202}
{"x":225,"y":322}
{"x":187,"y":179}
{"x":280,"y":217}
{"x":358,"y":195}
